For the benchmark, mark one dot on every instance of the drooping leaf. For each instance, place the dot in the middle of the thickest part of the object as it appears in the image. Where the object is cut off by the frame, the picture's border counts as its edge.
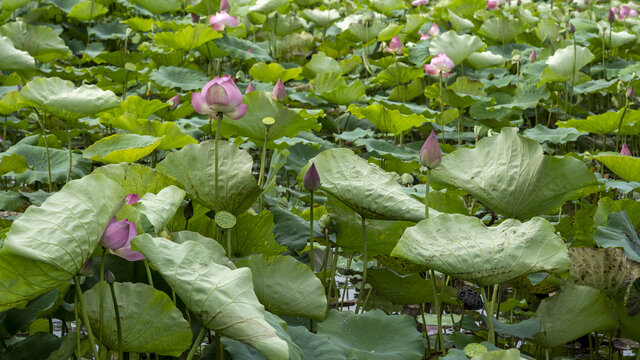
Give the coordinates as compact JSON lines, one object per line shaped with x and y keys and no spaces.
{"x":160,"y":208}
{"x":608,"y":270}
{"x":457,"y":47}
{"x":136,"y":178}
{"x":222,"y":298}
{"x":41,"y":42}
{"x":563,"y":64}
{"x":462,"y":246}
{"x":627,"y":167}
{"x":119,"y":148}
{"x":14,"y":59}
{"x":270,"y":73}
{"x":87,"y":10}
{"x":619,"y":233}
{"x":13,"y":163}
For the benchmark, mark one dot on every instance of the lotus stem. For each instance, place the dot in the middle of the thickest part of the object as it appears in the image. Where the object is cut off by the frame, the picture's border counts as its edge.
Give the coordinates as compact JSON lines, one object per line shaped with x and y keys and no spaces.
{"x":426,"y":196}
{"x":346,"y":282}
{"x":197,"y":343}
{"x":70,"y":153}
{"x":85,"y":317}
{"x":78,"y":325}
{"x":491,"y":335}
{"x":440,"y":335}
{"x":46,"y":146}
{"x":426,"y":332}
{"x":263,"y":161}
{"x":148,"y":270}
{"x":325,"y":262}
{"x":118,"y":323}
{"x":364,"y":262}
{"x":219,"y":347}
{"x":217,"y":138}
{"x":311,"y":258}
{"x":624,"y":112}
{"x":229,"y":253}
{"x":441,"y":106}
{"x":101,"y":291}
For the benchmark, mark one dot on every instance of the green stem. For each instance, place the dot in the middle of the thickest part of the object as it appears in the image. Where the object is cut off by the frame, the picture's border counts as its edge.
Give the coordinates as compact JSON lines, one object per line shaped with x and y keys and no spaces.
{"x":101,"y":291}
{"x":441,"y":106}
{"x":426,"y":196}
{"x":219,"y":347}
{"x":197,"y":343}
{"x":325,"y":261}
{"x":443,"y":348}
{"x":364,"y":260}
{"x":491,"y":335}
{"x":78,"y":325}
{"x":311,"y":257}
{"x":46,"y":146}
{"x":85,"y":316}
{"x":70,"y":152}
{"x":217,"y":139}
{"x":118,"y":323}
{"x":229,"y":253}
{"x":426,"y":332}
{"x":148,"y":270}
{"x":624,"y":111}
{"x":263,"y":161}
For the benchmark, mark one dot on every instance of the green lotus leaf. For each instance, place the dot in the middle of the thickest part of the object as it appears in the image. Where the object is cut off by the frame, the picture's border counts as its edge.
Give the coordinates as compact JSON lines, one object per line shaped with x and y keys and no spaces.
{"x":619,"y":233}
{"x":320,"y":63}
{"x":398,"y":74}
{"x":607,"y":123}
{"x":618,"y":39}
{"x":359,"y":32}
{"x":11,"y":5}
{"x":408,"y":289}
{"x":541,"y":133}
{"x":136,"y":178}
{"x":14,"y":59}
{"x":320,"y":17}
{"x":364,"y":187}
{"x":606,"y":206}
{"x":387,"y":6}
{"x":315,"y":346}
{"x":218,"y":253}
{"x":608,"y":270}
{"x":627,"y":167}
{"x":87,"y":10}
{"x":459,"y":23}
{"x":462,"y":246}
{"x":510,"y":354}
{"x":387,"y":120}
{"x":501,"y":29}
{"x":133,"y":107}
{"x":188,"y":38}
{"x":632,"y":298}
{"x":150,"y":321}
{"x":171,"y":134}
{"x":222,"y":298}
{"x":457,"y":47}
{"x":41,"y":42}
{"x":159,"y":6}
{"x":285,"y":286}
{"x":48,"y":244}
{"x":119,"y":148}
{"x":254,"y":234}
{"x":272,"y":72}
{"x":160,"y":208}
{"x":510,"y":175}
{"x":239,"y":48}
{"x":387,"y":149}
{"x":573,"y":312}
{"x":373,"y":335}
{"x":268,"y":6}
{"x":178,"y":77}
{"x":485,"y":59}
{"x":194,"y":167}
{"x":564,"y":64}
{"x":345,"y":94}
{"x":261,"y":104}
{"x":13,"y":163}
{"x":10,"y":103}
{"x":36,"y":157}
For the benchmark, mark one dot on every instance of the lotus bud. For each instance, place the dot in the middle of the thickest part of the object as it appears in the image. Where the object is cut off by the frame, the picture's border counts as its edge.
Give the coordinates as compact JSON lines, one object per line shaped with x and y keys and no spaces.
{"x":434,"y":30}
{"x":533,"y":56}
{"x":118,"y":234}
{"x":430,"y":154}
{"x":249,"y":88}
{"x":109,"y":277}
{"x":493,"y":4}
{"x":195,"y":17}
{"x":572,"y":29}
{"x":19,"y":87}
{"x":224,"y":5}
{"x":419,"y":2}
{"x":311,"y":179}
{"x":630,"y":93}
{"x":86,"y":269}
{"x":175,"y":101}
{"x":188,"y":210}
{"x":132,"y":199}
{"x":624,"y":12}
{"x":406,"y":179}
{"x":625,"y":150}
{"x":279,"y":92}
{"x":611,"y":16}
{"x":395,"y":45}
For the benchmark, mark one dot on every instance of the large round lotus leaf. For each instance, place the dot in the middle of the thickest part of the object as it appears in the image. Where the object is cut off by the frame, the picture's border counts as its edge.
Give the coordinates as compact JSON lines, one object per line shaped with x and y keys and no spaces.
{"x":194,"y":167}
{"x":9,"y":103}
{"x":541,"y":133}
{"x":627,"y":167}
{"x":408,"y":289}
{"x":119,"y":148}
{"x":607,"y":123}
{"x":159,"y":6}
{"x":222,"y":298}
{"x":188,"y":38}
{"x":373,"y":335}
{"x":510,"y":175}
{"x":13,"y":163}
{"x":481,"y":60}
{"x":239,"y":48}
{"x":178,"y":77}
{"x":563,"y":64}
{"x":618,"y":39}
{"x":48,"y":244}
{"x":272,"y":72}
{"x":172,"y":135}
{"x":253,"y":234}
{"x":463,"y":247}
{"x":260,"y":105}
{"x":322,"y":18}
{"x":501,"y":29}
{"x":386,"y":120}
{"x":315,"y":346}
{"x":36,"y":157}
{"x":150,"y":321}
{"x":14,"y":59}
{"x":398,"y":74}
{"x":285,"y":286}
{"x":573,"y":312}
{"x":608,"y":270}
{"x":87,"y":10}
{"x":136,"y":178}
{"x":218,"y":253}
{"x":62,"y":99}
{"x":345,"y":94}
{"x":459,"y":23}
{"x":457,"y":47}
{"x":41,"y":42}
{"x":320,"y":63}
{"x":160,"y":208}
{"x":364,"y":187}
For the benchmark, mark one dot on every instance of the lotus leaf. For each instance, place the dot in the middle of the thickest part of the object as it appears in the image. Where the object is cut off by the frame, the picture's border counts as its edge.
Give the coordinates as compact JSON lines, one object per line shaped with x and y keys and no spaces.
{"x":457,"y":47}
{"x":119,"y":148}
{"x":627,"y":167}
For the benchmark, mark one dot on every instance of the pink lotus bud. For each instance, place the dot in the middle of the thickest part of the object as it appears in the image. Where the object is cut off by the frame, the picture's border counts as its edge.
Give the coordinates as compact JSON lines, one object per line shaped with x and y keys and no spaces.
{"x":250,"y":51}
{"x":224,"y":5}
{"x":611,"y":16}
{"x":430,"y":153}
{"x":311,"y":179}
{"x":625,"y":150}
{"x":118,"y":234}
{"x":174,"y":101}
{"x":615,"y":10}
{"x":533,"y":56}
{"x":249,"y":88}
{"x":624,"y":12}
{"x":86,"y":269}
{"x":572,"y":29}
{"x":423,"y":36}
{"x":109,"y":277}
{"x":493,"y":4}
{"x":440,"y":65}
{"x":434,"y":30}
{"x":630,"y":93}
{"x":132,"y":199}
{"x":395,"y":45}
{"x":221,"y":20}
{"x":220,"y":95}
{"x":19,"y":87}
{"x":195,"y":17}
{"x":279,"y":92}
{"x":420,"y":2}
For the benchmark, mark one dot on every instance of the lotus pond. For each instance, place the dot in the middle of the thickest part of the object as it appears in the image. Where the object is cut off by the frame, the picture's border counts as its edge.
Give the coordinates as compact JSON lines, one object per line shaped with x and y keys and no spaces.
{"x":297,"y":179}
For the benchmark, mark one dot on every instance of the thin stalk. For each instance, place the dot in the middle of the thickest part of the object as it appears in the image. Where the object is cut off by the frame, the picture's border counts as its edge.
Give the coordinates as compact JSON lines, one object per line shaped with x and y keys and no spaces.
{"x":325,"y":262}
{"x":624,"y":111}
{"x":78,"y":325}
{"x":217,"y":138}
{"x":85,"y":317}
{"x":70,"y":152}
{"x":148,"y":270}
{"x":46,"y":146}
{"x":436,"y":302}
{"x":364,"y":259}
{"x":263,"y":161}
{"x":426,"y":196}
{"x":197,"y":343}
{"x":101,"y":291}
{"x":311,"y":257}
{"x":229,"y":253}
{"x":491,"y":335}
{"x":346,"y":282}
{"x":441,"y":106}
{"x":118,"y":323}
{"x":4,"y":134}
{"x":426,"y":332}
{"x":219,"y":347}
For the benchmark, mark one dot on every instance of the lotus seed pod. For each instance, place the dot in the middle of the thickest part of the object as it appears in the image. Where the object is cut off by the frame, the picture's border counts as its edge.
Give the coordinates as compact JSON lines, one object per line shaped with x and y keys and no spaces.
{"x":406,"y":179}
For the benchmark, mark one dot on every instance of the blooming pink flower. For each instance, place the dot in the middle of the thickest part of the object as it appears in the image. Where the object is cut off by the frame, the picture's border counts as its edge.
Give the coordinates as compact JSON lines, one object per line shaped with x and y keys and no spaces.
{"x":249,"y":88}
{"x":434,"y":30}
{"x":423,"y":36}
{"x":633,"y":13}
{"x":430,"y":153}
{"x":224,"y":5}
{"x":625,"y":150}
{"x":175,"y":101}
{"x":118,"y":233}
{"x":220,"y":95}
{"x":132,"y":199}
{"x":395,"y":45}
{"x":221,"y":20}
{"x":279,"y":92}
{"x":440,"y":65}
{"x":624,"y":12}
{"x":125,"y":252}
{"x":420,"y":2}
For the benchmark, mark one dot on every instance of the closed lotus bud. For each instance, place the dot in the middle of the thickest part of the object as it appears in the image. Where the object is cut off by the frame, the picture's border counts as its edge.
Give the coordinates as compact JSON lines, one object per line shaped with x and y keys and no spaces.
{"x":175,"y":101}
{"x":430,"y":154}
{"x":249,"y":88}
{"x":611,"y":16}
{"x":224,"y":5}
{"x":19,"y":87}
{"x":86,"y":268}
{"x":188,"y":210}
{"x":118,"y":234}
{"x":630,"y":93}
{"x":625,"y":150}
{"x":109,"y":277}
{"x":279,"y":92}
{"x":395,"y":45}
{"x":311,"y":179}
{"x":533,"y":56}
{"x":132,"y":199}
{"x":572,"y":29}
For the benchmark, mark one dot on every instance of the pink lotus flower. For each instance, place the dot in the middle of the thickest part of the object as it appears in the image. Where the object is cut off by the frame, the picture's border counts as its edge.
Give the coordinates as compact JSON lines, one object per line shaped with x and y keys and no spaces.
{"x":220,"y":95}
{"x":125,"y":252}
{"x":132,"y":199}
{"x":493,"y":4}
{"x":533,"y":56}
{"x":430,"y":153}
{"x":279,"y":92}
{"x":420,"y":2}
{"x":175,"y":101}
{"x":625,"y":150}
{"x":395,"y":45}
{"x":423,"y":36}
{"x":440,"y":65}
{"x":311,"y":179}
{"x":117,"y":238}
{"x":249,"y":88}
{"x":633,"y":13}
{"x":221,"y":20}
{"x":434,"y":30}
{"x":224,"y":5}
{"x":630,"y":94}
{"x":611,"y":15}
